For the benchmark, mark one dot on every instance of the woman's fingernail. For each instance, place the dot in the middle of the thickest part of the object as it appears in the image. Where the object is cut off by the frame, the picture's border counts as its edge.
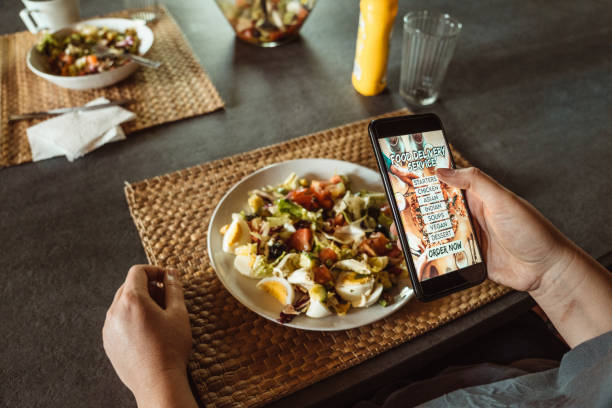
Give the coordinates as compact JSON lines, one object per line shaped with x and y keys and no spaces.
{"x":445,"y":172}
{"x":172,"y":274}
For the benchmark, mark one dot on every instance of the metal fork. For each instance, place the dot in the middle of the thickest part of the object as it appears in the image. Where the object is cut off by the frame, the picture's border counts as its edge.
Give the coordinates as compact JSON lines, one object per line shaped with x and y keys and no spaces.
{"x":103,"y":52}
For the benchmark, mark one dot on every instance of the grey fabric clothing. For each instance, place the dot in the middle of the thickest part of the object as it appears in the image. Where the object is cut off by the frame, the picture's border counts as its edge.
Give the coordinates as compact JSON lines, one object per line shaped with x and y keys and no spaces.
{"x":583,"y":379}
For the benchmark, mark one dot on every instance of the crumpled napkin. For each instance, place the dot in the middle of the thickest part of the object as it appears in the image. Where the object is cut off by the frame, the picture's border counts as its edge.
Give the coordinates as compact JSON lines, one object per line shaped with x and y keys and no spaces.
{"x":75,"y":134}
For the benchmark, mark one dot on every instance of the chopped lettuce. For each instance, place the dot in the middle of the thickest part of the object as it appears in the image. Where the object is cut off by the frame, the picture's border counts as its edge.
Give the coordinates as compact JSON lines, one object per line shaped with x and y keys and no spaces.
{"x":346,"y":253}
{"x":47,"y":41}
{"x":384,"y":220}
{"x":336,"y":190}
{"x":291,"y":183}
{"x":372,"y":199}
{"x":306,"y":261}
{"x":369,"y":222}
{"x":385,"y":280}
{"x":377,"y":263}
{"x":351,"y":204}
{"x":347,"y":234}
{"x":287,"y":231}
{"x":340,"y":205}
{"x":279,"y":221}
{"x":355,"y":205}
{"x":322,"y":242}
{"x":296,"y":211}
{"x":261,"y":268}
{"x":287,"y":264}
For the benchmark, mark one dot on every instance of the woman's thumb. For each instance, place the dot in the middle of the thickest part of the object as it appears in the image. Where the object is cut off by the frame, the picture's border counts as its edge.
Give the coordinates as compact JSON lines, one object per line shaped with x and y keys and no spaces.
{"x":173,"y":289}
{"x":471,"y":179}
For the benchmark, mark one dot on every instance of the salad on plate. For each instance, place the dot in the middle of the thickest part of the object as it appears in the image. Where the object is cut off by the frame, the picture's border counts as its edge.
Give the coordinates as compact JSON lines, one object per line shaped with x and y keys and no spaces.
{"x":317,"y":247}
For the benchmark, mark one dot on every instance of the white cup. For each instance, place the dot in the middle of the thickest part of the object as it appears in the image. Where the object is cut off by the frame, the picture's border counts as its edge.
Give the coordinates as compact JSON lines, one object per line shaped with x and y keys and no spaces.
{"x":49,"y":14}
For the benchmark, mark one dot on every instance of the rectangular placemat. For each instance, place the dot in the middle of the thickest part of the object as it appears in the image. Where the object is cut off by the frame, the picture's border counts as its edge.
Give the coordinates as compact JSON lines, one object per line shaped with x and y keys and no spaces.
{"x":179,"y":89}
{"x":239,"y":358}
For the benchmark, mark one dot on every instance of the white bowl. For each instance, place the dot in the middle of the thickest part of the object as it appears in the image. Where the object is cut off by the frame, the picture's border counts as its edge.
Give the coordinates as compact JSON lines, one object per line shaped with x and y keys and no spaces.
{"x":37,"y":62}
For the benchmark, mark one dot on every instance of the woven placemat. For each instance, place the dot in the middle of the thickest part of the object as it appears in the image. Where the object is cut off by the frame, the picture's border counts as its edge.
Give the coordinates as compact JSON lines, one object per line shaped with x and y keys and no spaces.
{"x":179,"y":89}
{"x":239,"y":358}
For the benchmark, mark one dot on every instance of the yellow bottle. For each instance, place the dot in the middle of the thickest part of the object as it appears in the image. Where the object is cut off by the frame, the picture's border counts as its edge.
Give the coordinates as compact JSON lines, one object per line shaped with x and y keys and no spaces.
{"x":372,"y":50}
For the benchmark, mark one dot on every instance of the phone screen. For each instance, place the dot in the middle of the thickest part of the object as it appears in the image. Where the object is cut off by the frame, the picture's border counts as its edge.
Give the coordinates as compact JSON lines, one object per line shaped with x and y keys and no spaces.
{"x":434,"y":215}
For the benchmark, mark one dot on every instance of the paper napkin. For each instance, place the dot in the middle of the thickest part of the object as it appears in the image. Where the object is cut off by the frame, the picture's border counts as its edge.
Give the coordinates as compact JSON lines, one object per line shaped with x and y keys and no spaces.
{"x":75,"y":134}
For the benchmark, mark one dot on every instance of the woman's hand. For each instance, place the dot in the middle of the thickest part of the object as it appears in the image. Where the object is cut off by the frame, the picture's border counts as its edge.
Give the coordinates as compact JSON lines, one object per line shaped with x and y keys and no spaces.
{"x":519,"y":245}
{"x":525,"y":251}
{"x":147,"y":337}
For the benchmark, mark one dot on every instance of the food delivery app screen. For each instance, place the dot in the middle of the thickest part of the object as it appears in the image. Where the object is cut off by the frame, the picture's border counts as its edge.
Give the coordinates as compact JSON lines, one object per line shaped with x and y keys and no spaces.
{"x":433,"y":214}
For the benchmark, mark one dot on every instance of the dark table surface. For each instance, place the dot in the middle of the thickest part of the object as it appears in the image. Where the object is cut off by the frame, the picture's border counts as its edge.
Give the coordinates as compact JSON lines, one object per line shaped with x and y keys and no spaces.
{"x":526,"y":98}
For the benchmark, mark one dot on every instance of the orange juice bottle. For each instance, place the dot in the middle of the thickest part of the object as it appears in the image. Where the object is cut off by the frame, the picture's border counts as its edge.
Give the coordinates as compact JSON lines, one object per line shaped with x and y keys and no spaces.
{"x":372,"y":50}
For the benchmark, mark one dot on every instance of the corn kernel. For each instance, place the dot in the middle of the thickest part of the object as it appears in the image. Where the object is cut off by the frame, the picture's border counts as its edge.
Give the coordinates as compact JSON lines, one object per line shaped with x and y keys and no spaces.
{"x":342,"y":308}
{"x":255,"y":202}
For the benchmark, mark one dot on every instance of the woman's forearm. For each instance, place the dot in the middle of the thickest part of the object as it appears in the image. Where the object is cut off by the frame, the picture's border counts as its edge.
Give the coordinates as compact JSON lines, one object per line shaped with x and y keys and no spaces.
{"x":576,"y":295}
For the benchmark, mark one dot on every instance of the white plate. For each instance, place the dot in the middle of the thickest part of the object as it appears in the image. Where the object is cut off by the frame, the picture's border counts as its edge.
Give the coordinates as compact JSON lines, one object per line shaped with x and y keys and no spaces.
{"x":244,"y":289}
{"x":37,"y":62}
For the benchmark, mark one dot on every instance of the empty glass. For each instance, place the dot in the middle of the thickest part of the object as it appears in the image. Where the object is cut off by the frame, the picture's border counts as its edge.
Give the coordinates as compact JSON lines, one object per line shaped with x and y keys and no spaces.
{"x":428,"y":46}
{"x":142,"y":9}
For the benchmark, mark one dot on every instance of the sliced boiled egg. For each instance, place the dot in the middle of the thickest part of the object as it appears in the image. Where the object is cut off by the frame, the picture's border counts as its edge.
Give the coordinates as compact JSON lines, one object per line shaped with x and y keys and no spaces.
{"x":353,"y":265}
{"x":279,"y":288}
{"x":317,"y":307}
{"x":237,"y":234}
{"x":355,"y":288}
{"x":302,"y":277}
{"x":246,"y":255}
{"x":374,"y":296}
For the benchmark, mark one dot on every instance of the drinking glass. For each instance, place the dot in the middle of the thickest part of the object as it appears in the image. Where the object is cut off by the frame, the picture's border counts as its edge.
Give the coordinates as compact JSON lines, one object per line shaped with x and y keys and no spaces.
{"x":142,"y":9}
{"x":428,"y":46}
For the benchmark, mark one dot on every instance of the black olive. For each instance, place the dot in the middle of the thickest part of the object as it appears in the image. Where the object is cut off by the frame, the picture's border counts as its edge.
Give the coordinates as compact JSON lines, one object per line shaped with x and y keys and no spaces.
{"x":302,"y":224}
{"x":276,"y":250}
{"x":383,"y":229}
{"x":374,"y":212}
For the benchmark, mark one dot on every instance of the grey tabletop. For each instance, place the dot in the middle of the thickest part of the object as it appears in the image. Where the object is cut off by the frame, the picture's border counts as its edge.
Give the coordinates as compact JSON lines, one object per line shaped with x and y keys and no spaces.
{"x":526,"y":98}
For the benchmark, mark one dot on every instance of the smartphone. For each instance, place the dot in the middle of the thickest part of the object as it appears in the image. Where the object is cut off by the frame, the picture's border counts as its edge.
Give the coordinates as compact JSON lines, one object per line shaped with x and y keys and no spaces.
{"x":433,"y":220}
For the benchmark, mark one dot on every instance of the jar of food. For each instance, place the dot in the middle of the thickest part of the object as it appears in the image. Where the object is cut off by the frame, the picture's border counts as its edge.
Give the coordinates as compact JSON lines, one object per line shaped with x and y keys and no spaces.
{"x":266,"y":23}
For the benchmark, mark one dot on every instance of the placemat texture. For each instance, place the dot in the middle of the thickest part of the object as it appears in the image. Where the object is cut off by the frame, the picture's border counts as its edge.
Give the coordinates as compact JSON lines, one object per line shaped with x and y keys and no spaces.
{"x":179,"y":89}
{"x":239,"y":358}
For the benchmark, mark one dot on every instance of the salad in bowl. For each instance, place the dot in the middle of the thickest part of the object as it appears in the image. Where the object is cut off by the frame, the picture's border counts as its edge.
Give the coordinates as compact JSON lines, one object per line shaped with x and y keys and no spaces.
{"x":90,"y":54}
{"x":74,"y":53}
{"x":316,"y":247}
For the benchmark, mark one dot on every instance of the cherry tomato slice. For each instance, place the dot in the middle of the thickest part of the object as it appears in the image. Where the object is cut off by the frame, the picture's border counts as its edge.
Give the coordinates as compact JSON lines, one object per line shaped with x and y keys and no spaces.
{"x":301,"y":240}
